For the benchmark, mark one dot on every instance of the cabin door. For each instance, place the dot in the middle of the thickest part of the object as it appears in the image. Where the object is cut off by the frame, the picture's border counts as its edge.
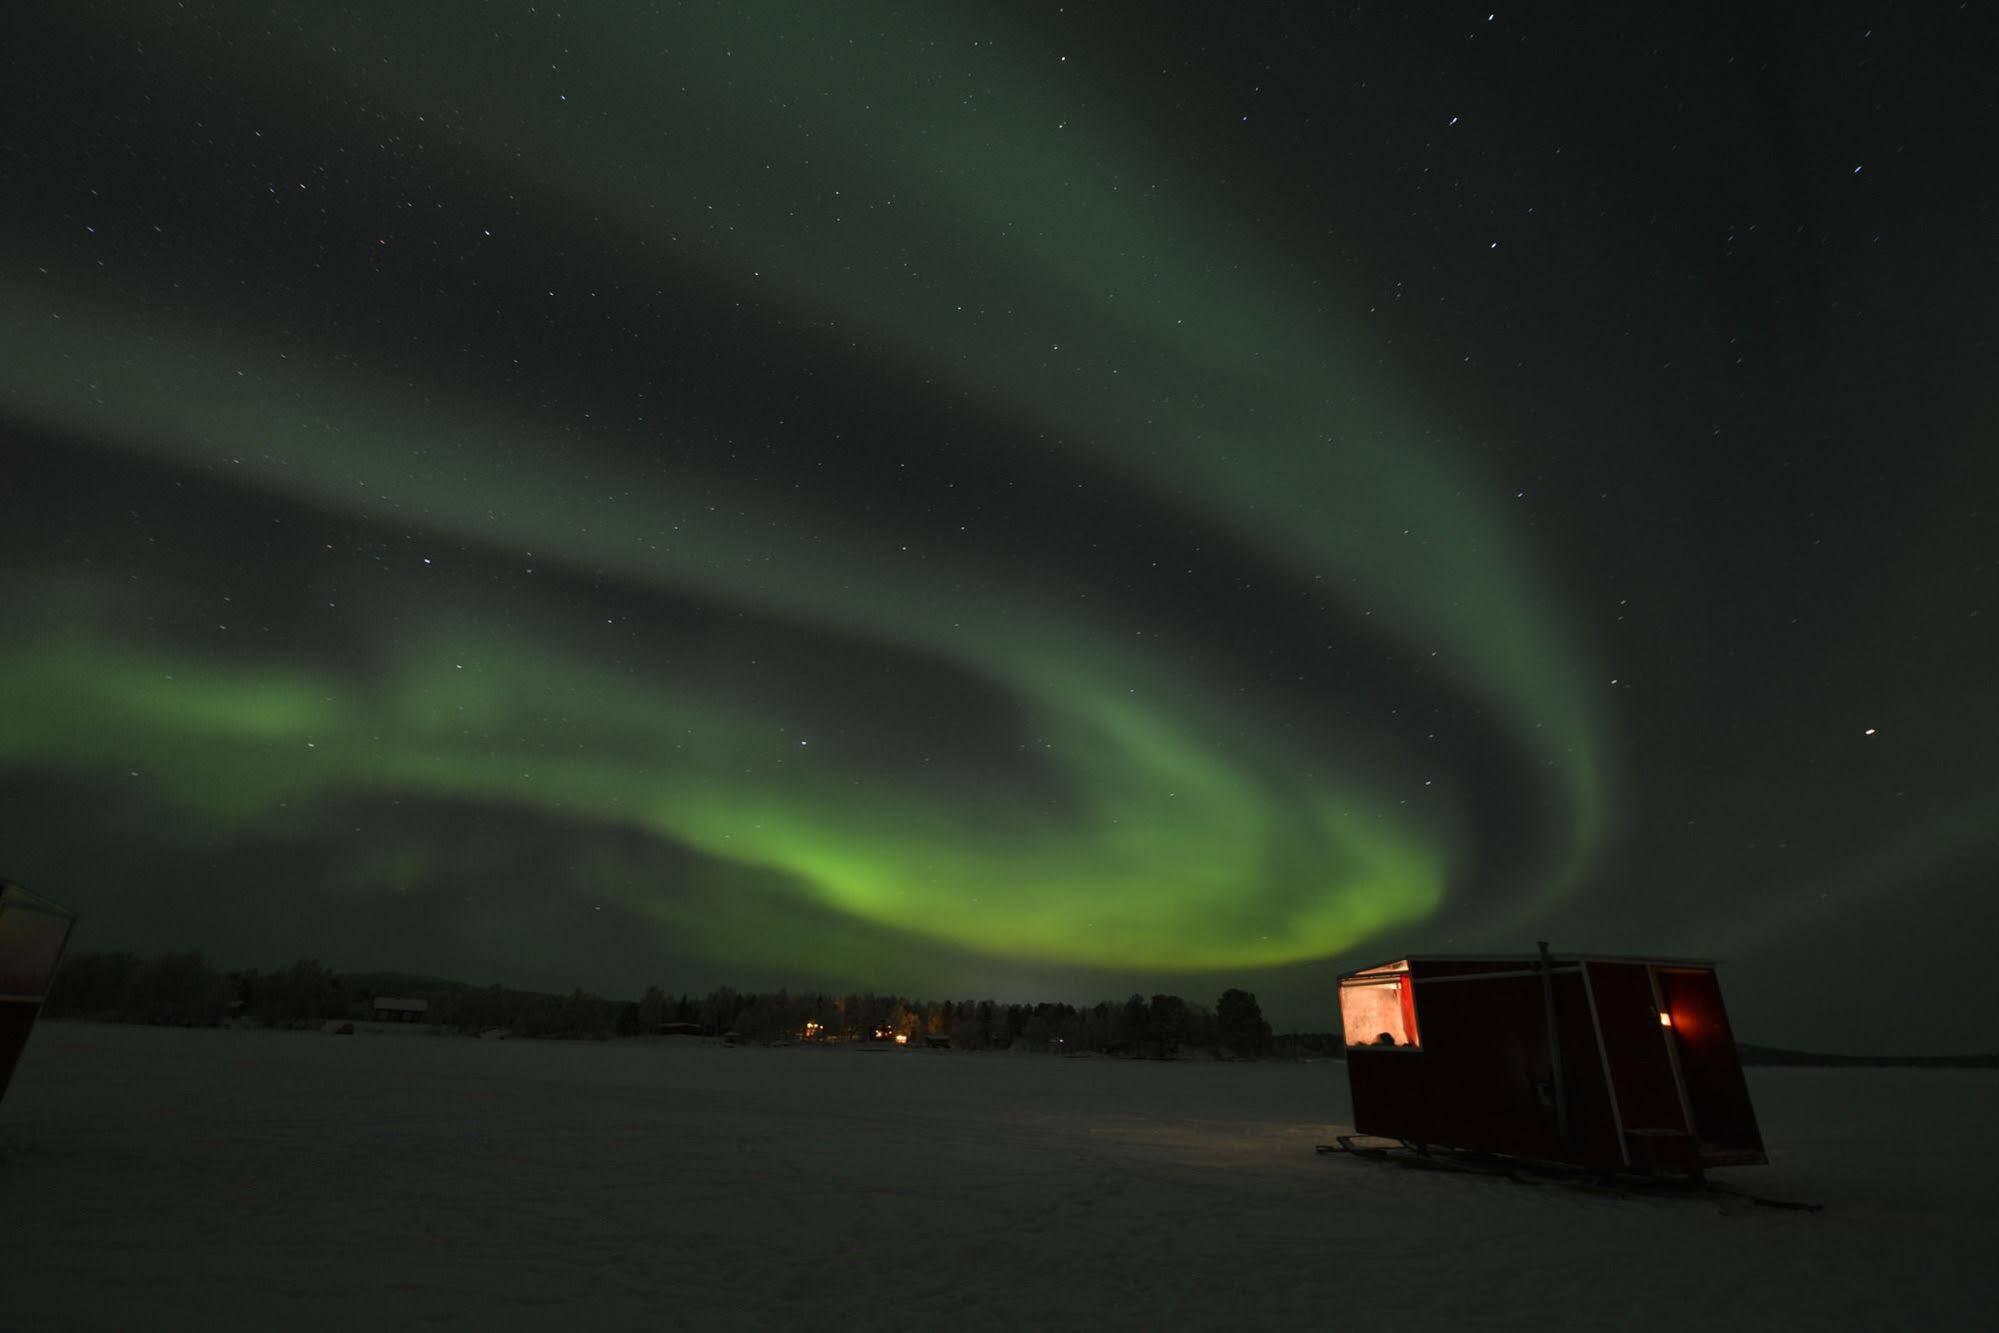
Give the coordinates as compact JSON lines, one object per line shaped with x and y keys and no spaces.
{"x":1710,"y":1071}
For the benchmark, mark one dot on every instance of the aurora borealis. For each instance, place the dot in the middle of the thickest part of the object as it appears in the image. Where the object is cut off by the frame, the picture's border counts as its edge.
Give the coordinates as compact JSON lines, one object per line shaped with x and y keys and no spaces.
{"x":963,"y":501}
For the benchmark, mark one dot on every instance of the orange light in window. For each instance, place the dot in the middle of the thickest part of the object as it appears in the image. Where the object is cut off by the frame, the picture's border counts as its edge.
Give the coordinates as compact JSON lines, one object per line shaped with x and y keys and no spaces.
{"x":1665,"y":1020}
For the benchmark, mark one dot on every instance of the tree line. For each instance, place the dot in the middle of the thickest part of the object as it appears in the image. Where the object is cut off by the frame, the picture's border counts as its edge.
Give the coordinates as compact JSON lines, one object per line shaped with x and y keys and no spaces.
{"x":185,"y":989}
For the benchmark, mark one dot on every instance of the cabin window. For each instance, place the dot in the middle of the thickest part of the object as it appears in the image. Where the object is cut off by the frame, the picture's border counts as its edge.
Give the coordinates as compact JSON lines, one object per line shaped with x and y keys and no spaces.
{"x":31,"y":940}
{"x":1379,"y":1009}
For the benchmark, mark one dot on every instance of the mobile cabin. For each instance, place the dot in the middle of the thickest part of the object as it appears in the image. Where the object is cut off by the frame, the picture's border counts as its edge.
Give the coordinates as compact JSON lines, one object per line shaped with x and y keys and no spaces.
{"x":1607,"y":1063}
{"x":401,"y":1009}
{"x":33,"y":934}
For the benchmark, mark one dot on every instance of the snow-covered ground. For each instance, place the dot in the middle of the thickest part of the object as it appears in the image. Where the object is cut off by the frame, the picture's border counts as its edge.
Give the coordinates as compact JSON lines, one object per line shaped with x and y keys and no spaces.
{"x":167,"y":1179}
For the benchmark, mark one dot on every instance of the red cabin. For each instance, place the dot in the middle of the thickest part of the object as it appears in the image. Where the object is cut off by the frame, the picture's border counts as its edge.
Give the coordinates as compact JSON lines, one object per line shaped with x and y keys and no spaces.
{"x":33,"y":931}
{"x":1607,"y":1063}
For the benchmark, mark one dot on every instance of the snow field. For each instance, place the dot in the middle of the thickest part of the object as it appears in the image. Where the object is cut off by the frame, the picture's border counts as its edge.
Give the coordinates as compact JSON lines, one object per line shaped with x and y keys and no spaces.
{"x":166,"y":1179}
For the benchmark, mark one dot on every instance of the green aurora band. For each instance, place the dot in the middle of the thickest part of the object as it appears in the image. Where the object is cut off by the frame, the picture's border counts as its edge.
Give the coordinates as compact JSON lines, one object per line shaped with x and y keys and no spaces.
{"x":1008,"y":243}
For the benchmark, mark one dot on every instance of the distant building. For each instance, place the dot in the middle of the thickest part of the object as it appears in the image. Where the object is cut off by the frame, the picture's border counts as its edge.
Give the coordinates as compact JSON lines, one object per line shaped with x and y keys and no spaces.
{"x":680,"y":1030}
{"x":401,"y":1009}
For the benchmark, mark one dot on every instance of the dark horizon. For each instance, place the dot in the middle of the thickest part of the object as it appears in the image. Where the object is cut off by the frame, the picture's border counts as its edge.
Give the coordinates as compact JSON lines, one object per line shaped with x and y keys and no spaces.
{"x":372,"y":981}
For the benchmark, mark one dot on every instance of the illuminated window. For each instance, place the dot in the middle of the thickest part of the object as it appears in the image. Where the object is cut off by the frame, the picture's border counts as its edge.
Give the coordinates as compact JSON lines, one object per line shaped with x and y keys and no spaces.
{"x":1379,"y":1009}
{"x":32,"y":932}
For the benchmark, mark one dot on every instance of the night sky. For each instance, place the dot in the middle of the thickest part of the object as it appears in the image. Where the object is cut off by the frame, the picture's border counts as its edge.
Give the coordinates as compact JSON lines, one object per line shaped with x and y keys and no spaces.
{"x":1036,"y":501}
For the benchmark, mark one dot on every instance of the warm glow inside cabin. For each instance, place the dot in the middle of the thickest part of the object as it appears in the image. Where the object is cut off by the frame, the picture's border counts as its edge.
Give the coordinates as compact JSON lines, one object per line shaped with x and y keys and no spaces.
{"x":1378,"y":1008}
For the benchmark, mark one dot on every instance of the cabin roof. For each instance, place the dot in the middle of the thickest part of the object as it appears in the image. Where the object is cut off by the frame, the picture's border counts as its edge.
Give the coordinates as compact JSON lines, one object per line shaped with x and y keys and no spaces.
{"x":16,"y":897}
{"x":1524,"y":960}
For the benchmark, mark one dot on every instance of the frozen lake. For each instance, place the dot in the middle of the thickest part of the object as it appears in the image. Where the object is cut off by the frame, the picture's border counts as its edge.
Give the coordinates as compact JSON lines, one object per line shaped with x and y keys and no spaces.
{"x":167,"y":1179}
